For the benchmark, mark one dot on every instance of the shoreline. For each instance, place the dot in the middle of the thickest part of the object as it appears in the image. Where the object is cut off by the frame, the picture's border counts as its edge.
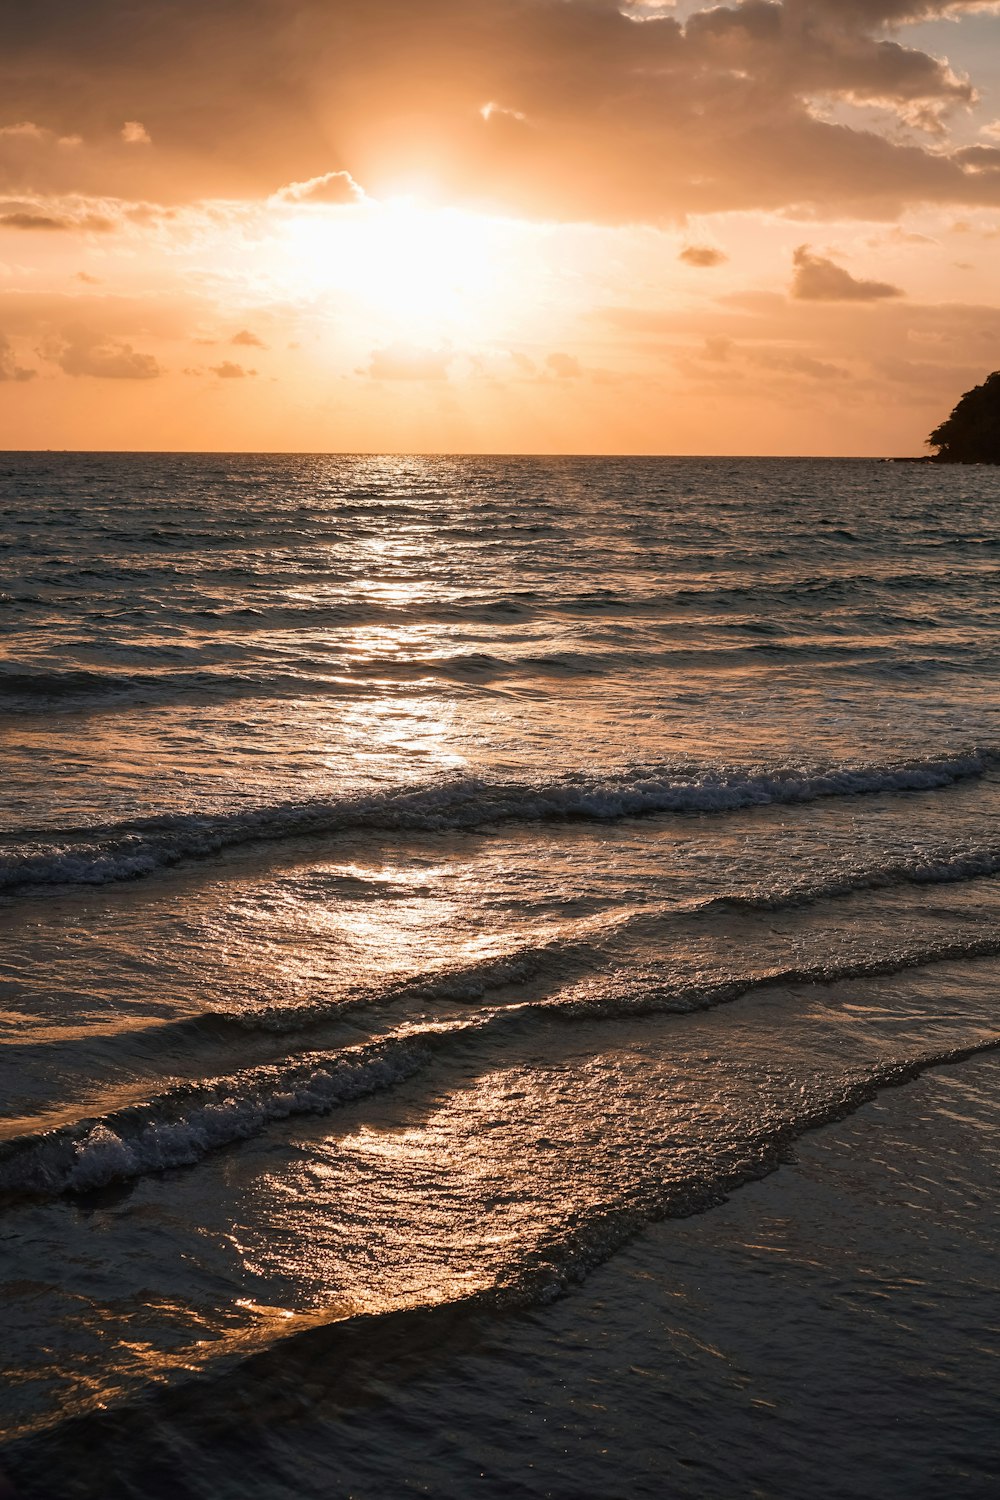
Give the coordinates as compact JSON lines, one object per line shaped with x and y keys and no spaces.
{"x":797,"y":1334}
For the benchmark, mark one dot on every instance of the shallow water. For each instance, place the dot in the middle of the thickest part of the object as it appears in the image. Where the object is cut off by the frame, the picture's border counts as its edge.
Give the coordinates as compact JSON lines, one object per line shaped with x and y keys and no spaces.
{"x":420,"y":875}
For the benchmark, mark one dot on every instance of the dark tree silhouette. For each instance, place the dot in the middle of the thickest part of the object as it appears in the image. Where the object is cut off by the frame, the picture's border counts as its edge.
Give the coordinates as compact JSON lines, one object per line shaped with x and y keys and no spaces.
{"x":971,"y":435}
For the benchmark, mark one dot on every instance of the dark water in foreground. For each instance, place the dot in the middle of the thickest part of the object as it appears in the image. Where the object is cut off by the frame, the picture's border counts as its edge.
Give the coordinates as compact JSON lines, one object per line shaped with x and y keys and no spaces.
{"x":420,"y":878}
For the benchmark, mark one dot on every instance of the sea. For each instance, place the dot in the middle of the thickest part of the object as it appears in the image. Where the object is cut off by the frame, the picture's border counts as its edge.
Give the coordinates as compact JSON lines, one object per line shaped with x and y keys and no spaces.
{"x":499,"y":971}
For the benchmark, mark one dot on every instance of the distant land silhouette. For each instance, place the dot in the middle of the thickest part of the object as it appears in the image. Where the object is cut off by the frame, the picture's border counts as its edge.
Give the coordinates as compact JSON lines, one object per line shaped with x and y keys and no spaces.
{"x":971,"y":435}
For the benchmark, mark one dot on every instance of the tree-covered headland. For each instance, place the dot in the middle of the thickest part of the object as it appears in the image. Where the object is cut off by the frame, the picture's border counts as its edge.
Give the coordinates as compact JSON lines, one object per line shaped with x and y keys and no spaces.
{"x":971,"y":435}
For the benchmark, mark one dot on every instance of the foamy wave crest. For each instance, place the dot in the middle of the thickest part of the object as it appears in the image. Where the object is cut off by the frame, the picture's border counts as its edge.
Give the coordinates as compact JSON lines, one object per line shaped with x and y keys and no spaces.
{"x":180,"y":1127}
{"x":127,"y":851}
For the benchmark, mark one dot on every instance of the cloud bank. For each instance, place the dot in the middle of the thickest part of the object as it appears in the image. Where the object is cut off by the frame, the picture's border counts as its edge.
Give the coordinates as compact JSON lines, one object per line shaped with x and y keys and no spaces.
{"x":552,"y":108}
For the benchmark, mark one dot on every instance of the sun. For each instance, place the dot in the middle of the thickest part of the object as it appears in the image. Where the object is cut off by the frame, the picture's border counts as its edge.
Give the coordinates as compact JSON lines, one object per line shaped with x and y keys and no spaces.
{"x":412,"y":270}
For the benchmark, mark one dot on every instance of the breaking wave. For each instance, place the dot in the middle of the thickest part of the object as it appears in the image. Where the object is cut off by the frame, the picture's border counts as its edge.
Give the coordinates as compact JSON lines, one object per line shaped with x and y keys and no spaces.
{"x":182,"y":1125}
{"x":129,"y":850}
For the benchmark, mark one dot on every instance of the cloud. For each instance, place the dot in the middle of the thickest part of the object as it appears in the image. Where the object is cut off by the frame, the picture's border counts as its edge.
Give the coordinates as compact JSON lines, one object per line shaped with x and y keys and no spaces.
{"x":898,"y":236}
{"x":702,"y":255}
{"x":921,"y":350}
{"x":134,"y":134}
{"x":979,"y":158}
{"x":248,"y":339}
{"x":332,"y":188}
{"x":796,"y":364}
{"x":80,"y":351}
{"x":777,"y":358}
{"x":406,"y":362}
{"x":493,"y":111}
{"x":34,"y":219}
{"x":826,"y":51}
{"x":683,"y":113}
{"x":873,"y":13}
{"x":718,"y":348}
{"x":24,"y":130}
{"x":9,"y":368}
{"x":817,"y":279}
{"x":564,"y":366}
{"x":230,"y":371}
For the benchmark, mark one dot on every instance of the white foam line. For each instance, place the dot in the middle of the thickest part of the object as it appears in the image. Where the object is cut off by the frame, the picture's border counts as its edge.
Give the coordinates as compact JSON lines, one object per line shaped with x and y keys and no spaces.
{"x":129,"y":851}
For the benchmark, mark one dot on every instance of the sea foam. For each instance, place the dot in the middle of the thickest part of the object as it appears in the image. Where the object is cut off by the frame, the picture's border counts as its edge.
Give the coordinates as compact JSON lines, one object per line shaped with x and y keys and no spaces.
{"x":127,"y":851}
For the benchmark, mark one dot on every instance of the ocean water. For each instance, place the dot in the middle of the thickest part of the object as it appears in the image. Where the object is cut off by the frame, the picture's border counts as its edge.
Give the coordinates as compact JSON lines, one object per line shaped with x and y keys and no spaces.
{"x":431,"y":886}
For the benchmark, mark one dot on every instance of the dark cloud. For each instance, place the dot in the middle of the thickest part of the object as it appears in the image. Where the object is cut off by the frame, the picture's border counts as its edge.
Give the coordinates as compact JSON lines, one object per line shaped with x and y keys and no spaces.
{"x":248,"y":339}
{"x":807,"y":48}
{"x":557,"y":108}
{"x":29,"y":220}
{"x":817,"y":279}
{"x":9,"y":367}
{"x":979,"y":158}
{"x":32,"y":221}
{"x":80,"y":351}
{"x":703,"y":256}
{"x":872,"y":13}
{"x":230,"y":371}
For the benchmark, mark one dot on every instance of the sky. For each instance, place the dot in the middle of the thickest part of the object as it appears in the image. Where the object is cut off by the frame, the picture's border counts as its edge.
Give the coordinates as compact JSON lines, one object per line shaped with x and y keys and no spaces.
{"x":540,"y":226}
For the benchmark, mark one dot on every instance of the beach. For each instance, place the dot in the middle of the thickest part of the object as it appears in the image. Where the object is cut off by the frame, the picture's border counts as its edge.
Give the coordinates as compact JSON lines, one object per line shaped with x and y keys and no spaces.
{"x":828,"y":1329}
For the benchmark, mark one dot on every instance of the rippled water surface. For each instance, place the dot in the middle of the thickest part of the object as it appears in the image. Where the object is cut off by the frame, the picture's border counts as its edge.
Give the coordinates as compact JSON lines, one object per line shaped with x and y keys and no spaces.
{"x":420,"y":876}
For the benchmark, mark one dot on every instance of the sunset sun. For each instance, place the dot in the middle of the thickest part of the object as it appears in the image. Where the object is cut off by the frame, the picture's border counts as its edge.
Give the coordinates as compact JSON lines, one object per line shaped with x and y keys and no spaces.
{"x":417,"y":269}
{"x":500,"y":745}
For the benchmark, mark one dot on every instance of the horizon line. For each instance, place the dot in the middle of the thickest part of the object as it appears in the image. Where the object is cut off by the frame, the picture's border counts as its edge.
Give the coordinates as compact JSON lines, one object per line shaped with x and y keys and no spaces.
{"x":464,"y":453}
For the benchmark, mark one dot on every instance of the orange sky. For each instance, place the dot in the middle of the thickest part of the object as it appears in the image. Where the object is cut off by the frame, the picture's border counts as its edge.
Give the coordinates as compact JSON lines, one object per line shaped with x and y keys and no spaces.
{"x":496,"y":225}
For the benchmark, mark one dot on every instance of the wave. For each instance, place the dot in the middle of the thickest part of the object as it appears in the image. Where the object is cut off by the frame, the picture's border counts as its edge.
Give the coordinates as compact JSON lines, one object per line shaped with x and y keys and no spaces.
{"x":74,"y":682}
{"x":941,"y":868}
{"x":683,"y":601}
{"x":552,"y":963}
{"x":565,"y":1255}
{"x":180,"y":1126}
{"x":129,"y":850}
{"x":333,"y":1352}
{"x":567,"y":957}
{"x":34,"y":688}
